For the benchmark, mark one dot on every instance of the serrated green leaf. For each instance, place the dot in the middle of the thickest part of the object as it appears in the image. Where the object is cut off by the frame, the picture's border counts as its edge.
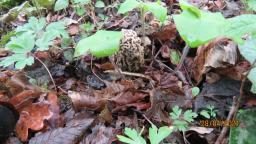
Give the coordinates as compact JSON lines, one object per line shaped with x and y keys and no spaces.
{"x":176,"y":112}
{"x":205,"y":114}
{"x":133,"y":137}
{"x":158,"y":11}
{"x":180,"y":125}
{"x":22,"y":44}
{"x":61,"y":4}
{"x":101,"y":44}
{"x":34,"y":25}
{"x":157,"y":135}
{"x":45,"y":41}
{"x":128,"y":5}
{"x":248,"y":50}
{"x":195,"y":91}
{"x":21,"y":61}
{"x":99,"y":4}
{"x":245,"y":132}
{"x":252,"y":78}
{"x":57,"y":29}
{"x":189,"y":115}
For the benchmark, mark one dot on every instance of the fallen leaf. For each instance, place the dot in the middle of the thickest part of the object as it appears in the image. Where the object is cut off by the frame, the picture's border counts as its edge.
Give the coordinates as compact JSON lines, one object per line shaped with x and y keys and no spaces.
{"x":219,"y":53}
{"x":73,"y":29}
{"x":201,"y":130}
{"x":168,"y":32}
{"x":32,"y":117}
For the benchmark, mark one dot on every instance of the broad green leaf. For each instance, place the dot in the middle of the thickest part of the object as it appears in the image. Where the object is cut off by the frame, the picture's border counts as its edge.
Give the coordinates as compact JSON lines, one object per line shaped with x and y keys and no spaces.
{"x":34,"y":25}
{"x":128,"y":5}
{"x":199,"y":30}
{"x":248,"y":50}
{"x":176,"y":112}
{"x":99,"y":4}
{"x":133,"y":137}
{"x":189,"y":115}
{"x":101,"y":44}
{"x":81,"y":1}
{"x":61,"y":4}
{"x":57,"y":29}
{"x":245,"y":132}
{"x":22,"y":44}
{"x":186,"y":6}
{"x":158,"y":11}
{"x":195,"y":91}
{"x":205,"y":114}
{"x":45,"y":41}
{"x":252,"y":78}
{"x":239,"y":26}
{"x":157,"y":135}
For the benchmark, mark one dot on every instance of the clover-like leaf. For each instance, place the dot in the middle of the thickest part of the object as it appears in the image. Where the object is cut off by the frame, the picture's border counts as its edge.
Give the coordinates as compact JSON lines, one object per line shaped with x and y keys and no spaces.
{"x":205,"y":114}
{"x":101,"y":44}
{"x":176,"y":112}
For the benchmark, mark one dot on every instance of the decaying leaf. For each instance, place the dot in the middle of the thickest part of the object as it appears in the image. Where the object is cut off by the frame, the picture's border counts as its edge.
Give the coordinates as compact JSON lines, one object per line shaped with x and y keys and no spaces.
{"x":219,"y":53}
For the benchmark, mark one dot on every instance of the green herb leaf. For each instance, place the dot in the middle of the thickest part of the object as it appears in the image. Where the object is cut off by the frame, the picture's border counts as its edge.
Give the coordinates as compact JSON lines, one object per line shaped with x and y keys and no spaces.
{"x":133,"y":137}
{"x":205,"y":114}
{"x":61,"y":4}
{"x":81,"y":1}
{"x":189,"y":115}
{"x":99,"y":4}
{"x":251,"y":4}
{"x":101,"y":44}
{"x":195,"y":91}
{"x":176,"y":112}
{"x":157,"y":135}
{"x":175,"y":57}
{"x":34,"y":25}
{"x":128,"y":5}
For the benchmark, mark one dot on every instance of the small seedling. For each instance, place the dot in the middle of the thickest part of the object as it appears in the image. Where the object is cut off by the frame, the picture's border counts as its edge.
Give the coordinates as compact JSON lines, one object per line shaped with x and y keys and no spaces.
{"x":195,"y":91}
{"x":209,"y":112}
{"x":181,"y":121}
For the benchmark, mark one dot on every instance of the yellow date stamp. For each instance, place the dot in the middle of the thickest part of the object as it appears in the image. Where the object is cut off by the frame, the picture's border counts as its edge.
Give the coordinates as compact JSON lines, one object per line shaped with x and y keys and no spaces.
{"x":219,"y":123}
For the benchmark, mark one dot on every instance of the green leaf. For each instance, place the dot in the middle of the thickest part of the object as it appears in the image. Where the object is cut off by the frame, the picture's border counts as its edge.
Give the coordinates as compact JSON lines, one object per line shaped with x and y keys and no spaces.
{"x":199,"y":30}
{"x":81,"y":1}
{"x":45,"y":41}
{"x":205,"y":114}
{"x":175,"y":57}
{"x":128,"y":5}
{"x":79,"y":10}
{"x":101,"y":44}
{"x":57,"y":29}
{"x":176,"y":112}
{"x":245,"y":132}
{"x":22,"y":44}
{"x":248,"y":50}
{"x":133,"y":137}
{"x":45,"y":3}
{"x":34,"y":25}
{"x":189,"y":115}
{"x":21,"y":61}
{"x":195,"y":91}
{"x":252,"y":78}
{"x":158,"y":11}
{"x":157,"y":135}
{"x":61,"y":4}
{"x":180,"y":125}
{"x":87,"y":26}
{"x":99,"y":4}
{"x":251,"y":4}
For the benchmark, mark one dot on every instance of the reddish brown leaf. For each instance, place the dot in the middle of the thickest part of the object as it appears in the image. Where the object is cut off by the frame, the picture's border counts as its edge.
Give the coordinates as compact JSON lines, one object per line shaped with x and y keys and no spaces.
{"x":168,"y":32}
{"x":128,"y":97}
{"x":73,"y":29}
{"x":106,"y":66}
{"x":32,"y":117}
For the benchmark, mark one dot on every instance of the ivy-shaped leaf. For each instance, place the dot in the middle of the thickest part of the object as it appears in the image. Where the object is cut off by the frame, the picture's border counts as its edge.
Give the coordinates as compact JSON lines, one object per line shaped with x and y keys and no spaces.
{"x":101,"y":44}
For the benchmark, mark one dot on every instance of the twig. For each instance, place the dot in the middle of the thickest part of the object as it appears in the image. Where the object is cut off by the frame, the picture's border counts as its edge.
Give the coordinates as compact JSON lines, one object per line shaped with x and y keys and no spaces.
{"x":128,"y":73}
{"x":235,"y":106}
{"x":48,"y":71}
{"x":183,"y":56}
{"x":95,"y":73}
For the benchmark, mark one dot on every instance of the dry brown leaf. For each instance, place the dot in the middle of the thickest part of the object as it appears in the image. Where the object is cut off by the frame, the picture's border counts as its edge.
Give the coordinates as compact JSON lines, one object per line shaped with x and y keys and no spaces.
{"x":32,"y":117}
{"x":128,"y":97}
{"x":219,"y":53}
{"x":168,"y":32}
{"x":73,"y":29}
{"x":67,"y":135}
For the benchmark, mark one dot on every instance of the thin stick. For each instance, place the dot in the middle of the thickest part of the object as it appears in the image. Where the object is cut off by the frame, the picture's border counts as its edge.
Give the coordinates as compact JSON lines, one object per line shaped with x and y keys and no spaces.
{"x":95,"y":73}
{"x":183,"y":56}
{"x":48,"y":71}
{"x":128,"y":73}
{"x":235,"y":107}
